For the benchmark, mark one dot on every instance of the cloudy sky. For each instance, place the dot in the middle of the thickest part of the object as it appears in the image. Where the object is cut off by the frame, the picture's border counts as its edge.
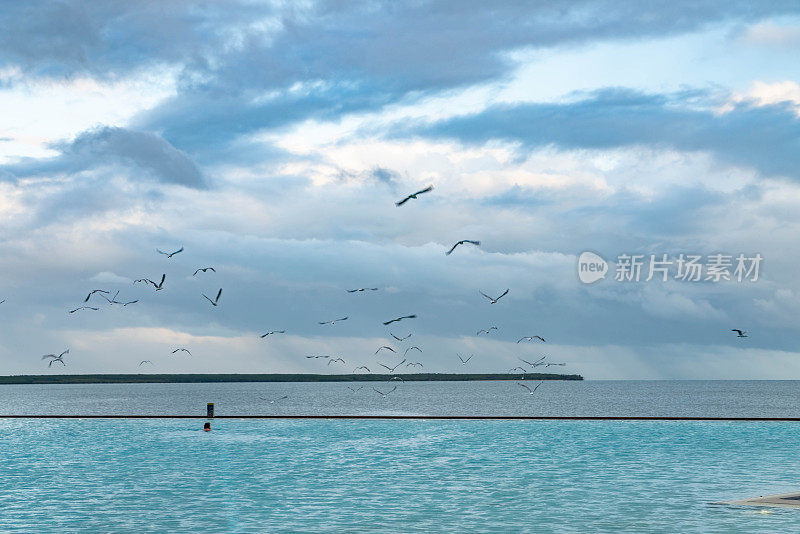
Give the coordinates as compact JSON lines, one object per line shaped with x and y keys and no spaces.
{"x":271,"y":140}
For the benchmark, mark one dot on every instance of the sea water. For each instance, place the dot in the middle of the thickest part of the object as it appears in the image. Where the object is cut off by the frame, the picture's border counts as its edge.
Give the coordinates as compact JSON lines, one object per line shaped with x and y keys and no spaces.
{"x":393,"y":476}
{"x":557,"y":398}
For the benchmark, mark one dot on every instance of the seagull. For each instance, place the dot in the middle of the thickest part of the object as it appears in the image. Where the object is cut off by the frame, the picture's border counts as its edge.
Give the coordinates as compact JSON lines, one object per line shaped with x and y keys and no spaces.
{"x":382,"y":394}
{"x":537,"y":363}
{"x":414,"y":364}
{"x":414,"y":195}
{"x":145,"y":361}
{"x":130,"y":302}
{"x":362,"y":367}
{"x":355,"y":389}
{"x":531,"y":391}
{"x":112,"y":300}
{"x":92,"y":292}
{"x":59,"y":358}
{"x":520,"y":368}
{"x":360,"y":289}
{"x":204,"y":269}
{"x":2,"y":301}
{"x":476,"y":243}
{"x":549,"y":364}
{"x":273,"y":401}
{"x":216,"y":300}
{"x":400,"y":378}
{"x":494,"y":301}
{"x":273,"y":332}
{"x":400,"y":319}
{"x":391,"y":369}
{"x":83,"y":308}
{"x":159,"y":286}
{"x":334,"y":321}
{"x":400,"y":338}
{"x":182,"y":350}
{"x":463,"y":360}
{"x":411,"y":348}
{"x":336,"y":360}
{"x":739,"y":333}
{"x":169,"y":254}
{"x":479,"y":332}
{"x":384,"y":347}
{"x":320,"y":356}
{"x":531,"y":338}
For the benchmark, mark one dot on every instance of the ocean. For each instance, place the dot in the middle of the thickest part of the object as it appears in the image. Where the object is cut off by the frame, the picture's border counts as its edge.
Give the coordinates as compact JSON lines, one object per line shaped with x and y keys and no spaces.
{"x":103,"y":475}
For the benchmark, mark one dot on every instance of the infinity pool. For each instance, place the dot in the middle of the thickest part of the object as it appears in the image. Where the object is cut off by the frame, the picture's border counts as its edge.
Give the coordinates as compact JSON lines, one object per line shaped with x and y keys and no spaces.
{"x":393,"y":476}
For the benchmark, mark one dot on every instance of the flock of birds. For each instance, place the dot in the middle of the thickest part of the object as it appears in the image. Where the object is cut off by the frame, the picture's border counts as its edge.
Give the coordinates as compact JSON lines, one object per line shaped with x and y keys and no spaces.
{"x":405,"y":363}
{"x":408,"y":362}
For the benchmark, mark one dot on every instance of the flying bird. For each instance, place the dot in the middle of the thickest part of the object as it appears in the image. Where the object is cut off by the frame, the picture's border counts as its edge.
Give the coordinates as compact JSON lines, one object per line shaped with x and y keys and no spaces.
{"x":522,"y":369}
{"x":320,"y":356}
{"x":550,"y":364}
{"x":411,"y":348}
{"x":129,"y":302}
{"x":144,"y":362}
{"x":334,"y":321}
{"x":273,"y":332}
{"x":362,"y":367}
{"x":2,"y":301}
{"x":479,"y":332}
{"x":463,"y":360}
{"x":537,"y":363}
{"x":204,"y":269}
{"x":159,"y":286}
{"x":360,"y":289}
{"x":355,"y":389}
{"x":216,"y":300}
{"x":182,"y":350}
{"x":531,"y":391}
{"x":414,"y":364}
{"x":170,"y":254}
{"x":400,"y":319}
{"x":83,"y":308}
{"x":739,"y":333}
{"x":384,"y":347}
{"x":491,"y":300}
{"x":59,"y":358}
{"x":92,"y":292}
{"x":336,"y":360}
{"x":530,"y":338}
{"x":382,"y":394}
{"x":391,"y":369}
{"x":400,"y":338}
{"x":414,"y":195}
{"x":476,"y":243}
{"x":273,"y":401}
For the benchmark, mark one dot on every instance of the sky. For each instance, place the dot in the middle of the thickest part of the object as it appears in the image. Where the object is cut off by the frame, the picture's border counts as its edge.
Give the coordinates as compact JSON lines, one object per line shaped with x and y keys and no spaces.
{"x":271,"y":141}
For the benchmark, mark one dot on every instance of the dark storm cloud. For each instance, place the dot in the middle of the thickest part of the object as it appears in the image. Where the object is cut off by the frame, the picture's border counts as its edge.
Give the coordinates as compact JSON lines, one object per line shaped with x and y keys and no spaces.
{"x":116,"y":146}
{"x":766,"y":138}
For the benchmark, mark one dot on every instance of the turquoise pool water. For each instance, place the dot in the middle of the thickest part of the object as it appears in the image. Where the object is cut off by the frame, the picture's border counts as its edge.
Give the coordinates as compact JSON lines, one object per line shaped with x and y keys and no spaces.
{"x":393,"y":476}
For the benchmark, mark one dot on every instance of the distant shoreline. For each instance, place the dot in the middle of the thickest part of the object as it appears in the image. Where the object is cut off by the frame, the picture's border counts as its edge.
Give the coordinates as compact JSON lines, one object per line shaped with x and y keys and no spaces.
{"x":208,"y":378}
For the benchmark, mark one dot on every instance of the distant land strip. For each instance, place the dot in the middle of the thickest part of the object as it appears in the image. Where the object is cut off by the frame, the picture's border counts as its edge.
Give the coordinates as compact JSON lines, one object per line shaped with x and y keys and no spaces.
{"x":201,"y":378}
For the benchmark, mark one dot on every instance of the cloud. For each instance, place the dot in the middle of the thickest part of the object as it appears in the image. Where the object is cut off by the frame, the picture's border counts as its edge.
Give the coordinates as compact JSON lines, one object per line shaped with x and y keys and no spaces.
{"x":111,"y":146}
{"x":764,"y":137}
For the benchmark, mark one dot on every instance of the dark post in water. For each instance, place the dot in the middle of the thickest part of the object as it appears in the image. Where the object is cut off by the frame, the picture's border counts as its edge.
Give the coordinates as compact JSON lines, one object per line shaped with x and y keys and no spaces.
{"x":210,"y":409}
